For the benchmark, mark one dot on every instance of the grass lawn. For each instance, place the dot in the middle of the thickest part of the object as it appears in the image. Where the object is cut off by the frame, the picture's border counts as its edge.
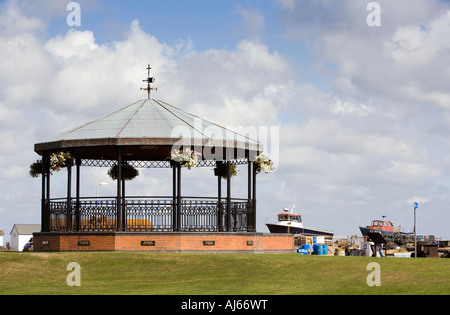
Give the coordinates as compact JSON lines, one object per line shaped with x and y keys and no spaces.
{"x":125,"y":273}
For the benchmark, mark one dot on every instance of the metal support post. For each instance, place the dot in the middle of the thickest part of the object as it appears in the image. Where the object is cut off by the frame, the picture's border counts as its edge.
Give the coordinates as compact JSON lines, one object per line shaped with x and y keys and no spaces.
{"x":69,"y":196}
{"x":174,"y":197}
{"x":77,"y":206}
{"x":179,"y":198}
{"x":119,"y":189}
{"x":229,"y":228}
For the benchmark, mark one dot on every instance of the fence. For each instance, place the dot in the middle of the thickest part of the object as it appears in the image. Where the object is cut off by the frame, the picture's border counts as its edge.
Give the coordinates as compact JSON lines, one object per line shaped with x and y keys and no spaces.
{"x":150,"y":214}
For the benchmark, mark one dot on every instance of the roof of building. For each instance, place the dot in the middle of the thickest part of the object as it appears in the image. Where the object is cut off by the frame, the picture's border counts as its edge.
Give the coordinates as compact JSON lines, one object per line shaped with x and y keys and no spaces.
{"x":150,"y":122}
{"x":26,"y":229}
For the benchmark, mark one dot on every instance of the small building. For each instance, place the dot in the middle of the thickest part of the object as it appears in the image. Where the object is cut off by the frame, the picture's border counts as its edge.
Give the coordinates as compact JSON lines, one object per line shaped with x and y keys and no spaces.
{"x":1,"y":237}
{"x":21,"y":234}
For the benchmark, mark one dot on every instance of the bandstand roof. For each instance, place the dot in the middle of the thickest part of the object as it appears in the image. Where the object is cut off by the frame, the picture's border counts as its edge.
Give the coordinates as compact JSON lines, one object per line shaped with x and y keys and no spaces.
{"x":147,"y":130}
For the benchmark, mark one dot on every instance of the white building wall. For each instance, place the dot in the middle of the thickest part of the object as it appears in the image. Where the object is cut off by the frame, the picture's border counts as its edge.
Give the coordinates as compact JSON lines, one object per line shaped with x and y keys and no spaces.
{"x":23,"y":239}
{"x":14,"y":239}
{"x":18,"y":241}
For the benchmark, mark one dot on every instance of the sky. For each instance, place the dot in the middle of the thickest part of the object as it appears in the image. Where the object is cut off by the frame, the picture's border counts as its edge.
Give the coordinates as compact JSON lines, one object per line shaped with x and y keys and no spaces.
{"x":353,"y":100}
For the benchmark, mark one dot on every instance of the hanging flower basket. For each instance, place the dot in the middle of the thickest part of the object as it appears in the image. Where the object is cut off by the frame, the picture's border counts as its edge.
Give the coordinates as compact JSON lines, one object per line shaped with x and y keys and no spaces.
{"x":221,"y":170}
{"x":263,"y":164}
{"x":233,"y":171}
{"x":57,"y":161}
{"x":188,"y":157}
{"x":36,"y":169}
{"x":61,"y":159}
{"x":128,"y":172}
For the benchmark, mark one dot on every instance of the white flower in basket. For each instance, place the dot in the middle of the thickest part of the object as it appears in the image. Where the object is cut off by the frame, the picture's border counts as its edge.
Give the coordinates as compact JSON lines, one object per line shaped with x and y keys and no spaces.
{"x":187,"y":157}
{"x":263,"y":164}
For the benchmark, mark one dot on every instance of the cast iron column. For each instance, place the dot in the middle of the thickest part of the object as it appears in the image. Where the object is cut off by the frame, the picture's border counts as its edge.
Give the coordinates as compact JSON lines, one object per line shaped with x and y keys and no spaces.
{"x":119,"y":189}
{"x":47,"y":203}
{"x":229,"y":228}
{"x":44,"y":200}
{"x":254,"y":197}
{"x":69,"y":195}
{"x":249,"y":198}
{"x":174,"y":196}
{"x":77,"y":206}
{"x":219,"y":203}
{"x":124,"y":204}
{"x":179,"y":198}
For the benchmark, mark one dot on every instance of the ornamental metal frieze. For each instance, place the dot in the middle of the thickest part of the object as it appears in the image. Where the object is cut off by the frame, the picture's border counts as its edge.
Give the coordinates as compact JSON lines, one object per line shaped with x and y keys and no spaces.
{"x":155,"y":164}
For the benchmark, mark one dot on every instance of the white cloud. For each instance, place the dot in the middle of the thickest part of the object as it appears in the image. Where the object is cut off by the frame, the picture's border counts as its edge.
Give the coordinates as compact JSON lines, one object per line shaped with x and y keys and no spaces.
{"x":254,"y":21}
{"x":417,"y":199}
{"x":383,"y":126}
{"x":74,"y":45}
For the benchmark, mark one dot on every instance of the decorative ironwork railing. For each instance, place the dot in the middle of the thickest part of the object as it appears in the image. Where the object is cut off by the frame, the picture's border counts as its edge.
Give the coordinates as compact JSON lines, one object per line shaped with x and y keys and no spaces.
{"x":155,"y":164}
{"x":150,"y":214}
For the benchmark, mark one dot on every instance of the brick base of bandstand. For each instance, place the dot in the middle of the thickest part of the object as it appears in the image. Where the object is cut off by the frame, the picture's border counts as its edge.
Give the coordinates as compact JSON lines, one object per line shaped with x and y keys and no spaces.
{"x":224,"y":242}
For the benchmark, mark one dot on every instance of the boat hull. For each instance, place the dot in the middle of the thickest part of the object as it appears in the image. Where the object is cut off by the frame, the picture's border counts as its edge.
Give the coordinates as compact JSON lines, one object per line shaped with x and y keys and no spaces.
{"x":366,"y":230}
{"x":276,"y":228}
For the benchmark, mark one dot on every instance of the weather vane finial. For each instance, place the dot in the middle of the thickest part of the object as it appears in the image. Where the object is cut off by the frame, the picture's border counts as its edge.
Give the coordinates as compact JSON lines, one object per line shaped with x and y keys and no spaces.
{"x":149,"y":80}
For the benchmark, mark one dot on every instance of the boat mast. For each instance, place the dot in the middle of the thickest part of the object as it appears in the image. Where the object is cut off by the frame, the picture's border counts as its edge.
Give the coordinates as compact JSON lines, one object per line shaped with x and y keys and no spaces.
{"x":293,"y":204}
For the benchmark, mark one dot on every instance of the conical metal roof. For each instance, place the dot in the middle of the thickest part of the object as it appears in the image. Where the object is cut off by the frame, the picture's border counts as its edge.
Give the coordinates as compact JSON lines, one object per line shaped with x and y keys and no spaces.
{"x":150,"y":122}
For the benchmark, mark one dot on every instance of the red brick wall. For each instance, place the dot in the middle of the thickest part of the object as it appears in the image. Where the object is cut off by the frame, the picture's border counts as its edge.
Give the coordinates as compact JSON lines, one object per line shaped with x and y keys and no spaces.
{"x":47,"y":242}
{"x":178,"y":242}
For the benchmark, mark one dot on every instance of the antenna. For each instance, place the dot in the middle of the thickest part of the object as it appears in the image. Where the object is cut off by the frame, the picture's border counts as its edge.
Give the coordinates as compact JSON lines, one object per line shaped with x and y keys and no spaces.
{"x":149,"y":80}
{"x":293,"y":204}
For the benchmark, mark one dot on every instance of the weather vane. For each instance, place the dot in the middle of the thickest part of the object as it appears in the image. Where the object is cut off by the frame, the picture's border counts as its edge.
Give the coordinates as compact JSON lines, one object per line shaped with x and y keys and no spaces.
{"x":149,"y":80}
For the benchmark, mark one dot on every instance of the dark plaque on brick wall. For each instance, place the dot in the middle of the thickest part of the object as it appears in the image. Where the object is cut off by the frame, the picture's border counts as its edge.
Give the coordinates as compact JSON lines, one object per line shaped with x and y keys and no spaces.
{"x":84,"y":243}
{"x":249,"y":243}
{"x":209,"y":243}
{"x":148,"y":243}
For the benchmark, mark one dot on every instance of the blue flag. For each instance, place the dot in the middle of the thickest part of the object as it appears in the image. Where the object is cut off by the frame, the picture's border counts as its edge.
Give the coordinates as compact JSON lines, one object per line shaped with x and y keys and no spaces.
{"x":416,"y":205}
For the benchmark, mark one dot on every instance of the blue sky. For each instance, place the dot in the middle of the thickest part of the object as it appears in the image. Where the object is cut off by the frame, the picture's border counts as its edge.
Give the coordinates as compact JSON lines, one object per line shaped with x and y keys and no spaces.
{"x":172,"y":20}
{"x":363,"y":112}
{"x":209,"y":24}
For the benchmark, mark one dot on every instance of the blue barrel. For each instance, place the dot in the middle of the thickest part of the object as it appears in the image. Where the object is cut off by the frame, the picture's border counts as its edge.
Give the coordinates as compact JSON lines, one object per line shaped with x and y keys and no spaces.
{"x":325,"y":249}
{"x":307,"y":247}
{"x":318,"y":249}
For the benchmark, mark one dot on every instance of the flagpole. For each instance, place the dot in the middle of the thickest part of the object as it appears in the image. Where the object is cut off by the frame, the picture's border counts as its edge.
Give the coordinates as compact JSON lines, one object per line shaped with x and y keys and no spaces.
{"x":415,"y":232}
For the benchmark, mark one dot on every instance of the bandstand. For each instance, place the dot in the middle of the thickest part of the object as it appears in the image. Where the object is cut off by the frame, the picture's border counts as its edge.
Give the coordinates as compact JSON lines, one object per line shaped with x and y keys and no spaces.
{"x":145,"y":134}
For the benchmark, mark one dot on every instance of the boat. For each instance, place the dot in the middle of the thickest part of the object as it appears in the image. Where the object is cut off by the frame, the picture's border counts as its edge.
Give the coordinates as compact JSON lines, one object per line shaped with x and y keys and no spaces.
{"x":383,"y":226}
{"x":393,"y":233}
{"x":292,"y":223}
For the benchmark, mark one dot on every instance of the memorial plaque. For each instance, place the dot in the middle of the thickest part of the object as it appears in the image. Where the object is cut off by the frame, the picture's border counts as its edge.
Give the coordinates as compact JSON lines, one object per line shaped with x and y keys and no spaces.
{"x":249,"y":243}
{"x":84,"y":243}
{"x":148,"y":243}
{"x":209,"y":243}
